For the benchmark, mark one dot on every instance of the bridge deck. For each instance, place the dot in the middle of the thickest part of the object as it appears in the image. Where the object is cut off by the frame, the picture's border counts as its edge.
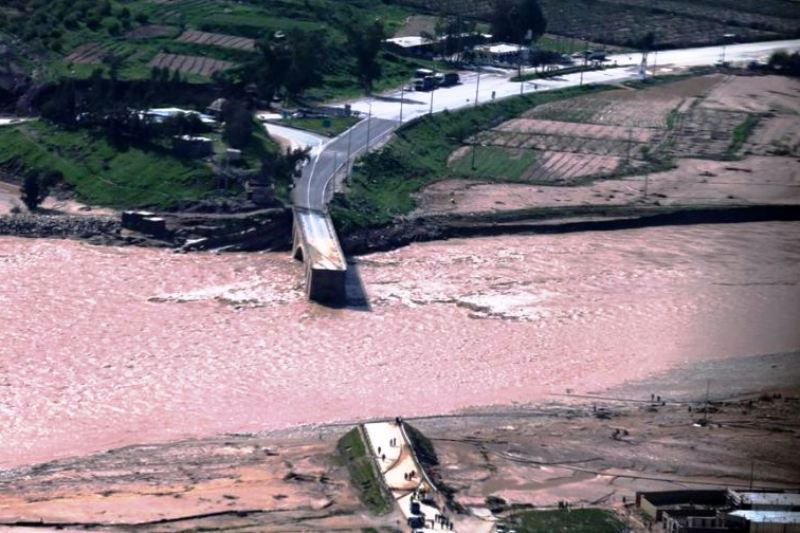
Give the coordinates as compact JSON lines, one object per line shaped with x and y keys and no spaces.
{"x":321,"y":249}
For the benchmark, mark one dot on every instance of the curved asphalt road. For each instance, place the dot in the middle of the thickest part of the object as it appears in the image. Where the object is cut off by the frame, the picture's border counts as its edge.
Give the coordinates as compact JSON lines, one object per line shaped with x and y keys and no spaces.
{"x":313,"y":190}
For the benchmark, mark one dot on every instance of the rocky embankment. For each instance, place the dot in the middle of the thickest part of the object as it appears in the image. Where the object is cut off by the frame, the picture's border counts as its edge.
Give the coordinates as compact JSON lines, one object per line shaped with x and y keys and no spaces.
{"x":94,"y":228}
{"x":266,"y":229}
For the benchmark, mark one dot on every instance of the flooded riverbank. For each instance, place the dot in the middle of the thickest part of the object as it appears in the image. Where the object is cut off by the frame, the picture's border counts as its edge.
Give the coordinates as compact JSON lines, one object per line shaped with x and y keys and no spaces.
{"x":103,"y":347}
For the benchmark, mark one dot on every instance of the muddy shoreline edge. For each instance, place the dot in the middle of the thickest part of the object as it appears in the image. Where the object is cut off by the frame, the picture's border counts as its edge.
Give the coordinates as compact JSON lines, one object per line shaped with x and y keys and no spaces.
{"x":275,"y":234}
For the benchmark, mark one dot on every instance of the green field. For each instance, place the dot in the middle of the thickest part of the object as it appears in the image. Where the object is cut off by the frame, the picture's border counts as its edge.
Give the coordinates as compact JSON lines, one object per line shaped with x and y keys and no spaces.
{"x":363,"y":472}
{"x":383,"y":183}
{"x":573,"y":521}
{"x":493,"y":163}
{"x":101,"y":173}
{"x":54,"y":29}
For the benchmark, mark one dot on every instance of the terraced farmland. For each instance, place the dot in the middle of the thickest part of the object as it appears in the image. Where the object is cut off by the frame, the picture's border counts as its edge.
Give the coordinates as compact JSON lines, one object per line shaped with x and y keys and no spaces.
{"x":202,"y":66}
{"x":616,"y":132}
{"x":675,"y":23}
{"x":217,"y":39}
{"x":87,"y":53}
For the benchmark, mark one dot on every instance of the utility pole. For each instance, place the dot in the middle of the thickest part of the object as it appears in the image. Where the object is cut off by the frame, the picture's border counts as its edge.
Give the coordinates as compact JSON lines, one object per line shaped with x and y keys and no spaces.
{"x":655,"y":62}
{"x":585,"y":58}
{"x":402,"y":95}
{"x":725,"y":39}
{"x":369,"y":122}
{"x":349,"y":146}
{"x":433,"y":89}
{"x":628,"y":148}
{"x":477,"y":87}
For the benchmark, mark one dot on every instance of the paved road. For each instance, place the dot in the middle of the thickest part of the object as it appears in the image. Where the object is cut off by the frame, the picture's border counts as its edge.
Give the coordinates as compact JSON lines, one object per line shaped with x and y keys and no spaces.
{"x":313,"y":191}
{"x":497,"y":82}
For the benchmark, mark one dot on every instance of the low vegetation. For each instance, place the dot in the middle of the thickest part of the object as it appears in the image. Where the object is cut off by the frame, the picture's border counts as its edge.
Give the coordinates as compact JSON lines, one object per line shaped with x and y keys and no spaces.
{"x":382,"y":185}
{"x":101,"y":173}
{"x":129,"y":37}
{"x":493,"y":162}
{"x":572,"y":521}
{"x":741,"y":133}
{"x":363,"y":473}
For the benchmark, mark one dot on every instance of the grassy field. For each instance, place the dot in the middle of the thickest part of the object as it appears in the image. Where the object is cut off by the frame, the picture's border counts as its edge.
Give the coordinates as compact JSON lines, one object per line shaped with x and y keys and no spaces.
{"x":57,"y":33}
{"x":493,"y":162}
{"x":101,"y":173}
{"x":573,"y":521}
{"x":363,"y":473}
{"x":383,"y":183}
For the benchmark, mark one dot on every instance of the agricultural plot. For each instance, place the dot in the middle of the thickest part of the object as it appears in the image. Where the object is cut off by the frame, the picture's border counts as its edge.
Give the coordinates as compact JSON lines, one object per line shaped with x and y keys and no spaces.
{"x":150,"y":31}
{"x":620,"y":132}
{"x":704,"y":133}
{"x":494,"y":162}
{"x":593,"y":141}
{"x":202,"y":66}
{"x":217,"y":39}
{"x":675,"y":23}
{"x":87,"y":53}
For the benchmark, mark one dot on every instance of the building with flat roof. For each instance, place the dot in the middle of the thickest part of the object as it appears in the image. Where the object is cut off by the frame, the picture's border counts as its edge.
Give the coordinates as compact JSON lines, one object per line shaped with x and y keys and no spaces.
{"x":767,"y":521}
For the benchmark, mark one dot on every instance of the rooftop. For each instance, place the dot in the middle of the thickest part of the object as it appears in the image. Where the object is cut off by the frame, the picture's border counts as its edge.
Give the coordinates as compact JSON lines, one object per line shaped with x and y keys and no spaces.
{"x":771,"y":517}
{"x":787,"y":499}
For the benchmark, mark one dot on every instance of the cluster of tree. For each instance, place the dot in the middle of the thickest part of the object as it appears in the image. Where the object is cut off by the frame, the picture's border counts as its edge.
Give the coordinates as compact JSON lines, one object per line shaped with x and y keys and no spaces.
{"x":46,"y":21}
{"x":364,"y":40}
{"x":517,"y":21}
{"x":449,"y":33}
{"x":121,"y":124}
{"x":63,"y":102}
{"x":785,"y":63}
{"x":36,"y":185}
{"x":282,"y":167}
{"x":239,"y":125}
{"x":289,"y":63}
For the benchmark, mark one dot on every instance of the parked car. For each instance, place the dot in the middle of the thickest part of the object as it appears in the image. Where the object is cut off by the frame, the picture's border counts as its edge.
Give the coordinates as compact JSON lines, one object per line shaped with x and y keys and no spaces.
{"x":450,"y":79}
{"x":421,"y":73}
{"x":425,"y":84}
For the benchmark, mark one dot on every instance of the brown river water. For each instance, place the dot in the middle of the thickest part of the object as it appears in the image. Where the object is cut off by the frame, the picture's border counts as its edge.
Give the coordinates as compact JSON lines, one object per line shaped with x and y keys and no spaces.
{"x":103,"y":347}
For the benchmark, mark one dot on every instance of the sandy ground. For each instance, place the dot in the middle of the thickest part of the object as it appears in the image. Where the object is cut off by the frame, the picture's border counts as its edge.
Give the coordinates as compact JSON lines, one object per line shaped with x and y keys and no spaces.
{"x":10,"y":198}
{"x":587,"y":451}
{"x":754,"y":180}
{"x":769,"y":171}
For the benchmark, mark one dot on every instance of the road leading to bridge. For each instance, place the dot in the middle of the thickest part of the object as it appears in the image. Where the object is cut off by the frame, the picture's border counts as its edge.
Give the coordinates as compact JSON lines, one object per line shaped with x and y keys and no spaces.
{"x":314,"y":189}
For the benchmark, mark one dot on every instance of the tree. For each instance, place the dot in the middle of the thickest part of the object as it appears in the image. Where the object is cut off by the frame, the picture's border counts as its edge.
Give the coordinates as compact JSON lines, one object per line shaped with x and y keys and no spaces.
{"x":35,"y":188}
{"x":238,"y":125}
{"x":364,"y":42}
{"x":60,"y":108}
{"x":307,"y":60}
{"x":517,"y":21}
{"x":283,"y":166}
{"x":270,"y":70}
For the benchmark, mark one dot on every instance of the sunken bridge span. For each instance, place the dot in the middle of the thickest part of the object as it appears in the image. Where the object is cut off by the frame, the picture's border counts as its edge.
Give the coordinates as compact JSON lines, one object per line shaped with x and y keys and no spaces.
{"x":314,"y":242}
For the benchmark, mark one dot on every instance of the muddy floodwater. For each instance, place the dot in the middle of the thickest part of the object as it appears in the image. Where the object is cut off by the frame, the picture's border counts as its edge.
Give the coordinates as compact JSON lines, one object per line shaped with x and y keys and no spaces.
{"x":102,"y":347}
